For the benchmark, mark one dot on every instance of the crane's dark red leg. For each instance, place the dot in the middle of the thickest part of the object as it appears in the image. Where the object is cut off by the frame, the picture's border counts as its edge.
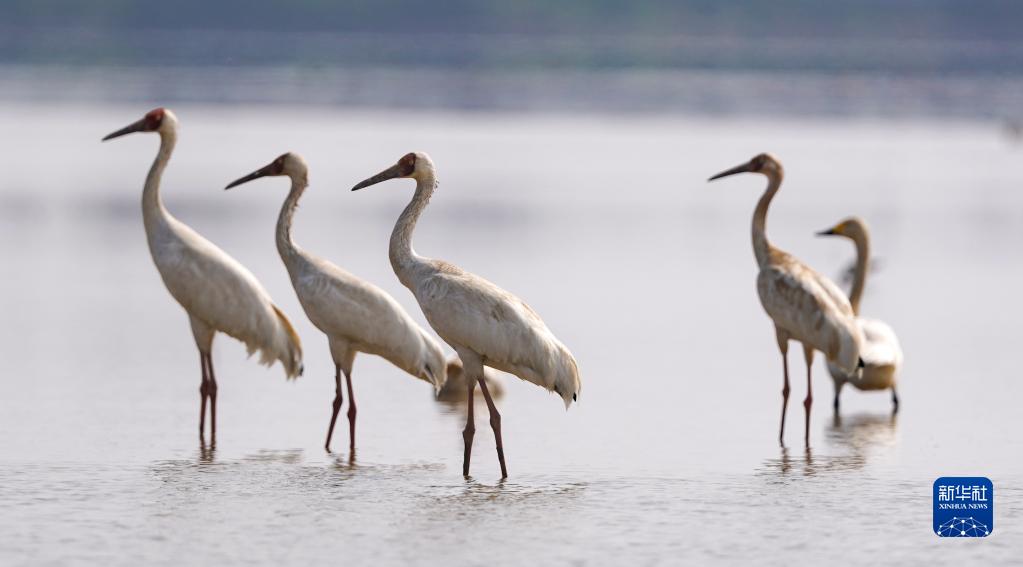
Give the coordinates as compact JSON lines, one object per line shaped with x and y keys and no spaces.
{"x":351,"y":412}
{"x":203,"y":392}
{"x":336,"y":406}
{"x":213,"y":399}
{"x":783,"y":345}
{"x":470,"y":426}
{"x":808,"y":401}
{"x":784,"y":396}
{"x":495,"y":424}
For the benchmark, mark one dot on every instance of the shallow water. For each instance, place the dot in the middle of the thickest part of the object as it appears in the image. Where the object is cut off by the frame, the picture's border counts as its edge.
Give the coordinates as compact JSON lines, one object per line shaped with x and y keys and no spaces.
{"x":606,"y":226}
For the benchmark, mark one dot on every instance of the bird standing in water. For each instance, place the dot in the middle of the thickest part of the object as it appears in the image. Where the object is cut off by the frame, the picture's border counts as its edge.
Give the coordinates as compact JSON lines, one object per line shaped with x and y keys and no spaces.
{"x":217,"y":292}
{"x":486,"y":325}
{"x":881,"y":353}
{"x":804,"y":305}
{"x":355,"y":315}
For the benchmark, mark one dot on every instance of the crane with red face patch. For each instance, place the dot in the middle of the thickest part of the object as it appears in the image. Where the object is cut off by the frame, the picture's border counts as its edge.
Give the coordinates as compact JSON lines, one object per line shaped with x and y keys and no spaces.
{"x":486,"y":325}
{"x":356,"y":315}
{"x":217,"y":292}
{"x":804,"y":305}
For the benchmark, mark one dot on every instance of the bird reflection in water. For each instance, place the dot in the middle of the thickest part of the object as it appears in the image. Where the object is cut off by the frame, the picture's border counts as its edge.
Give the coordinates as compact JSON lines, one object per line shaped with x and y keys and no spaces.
{"x":346,"y":463}
{"x":862,"y":432}
{"x":207,"y":453}
{"x":858,"y":437}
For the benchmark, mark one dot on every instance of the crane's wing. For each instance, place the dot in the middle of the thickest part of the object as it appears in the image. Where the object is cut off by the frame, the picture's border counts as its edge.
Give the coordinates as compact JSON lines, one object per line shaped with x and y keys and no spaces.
{"x":811,"y":308}
{"x":216,"y":289}
{"x":469,"y":311}
{"x":345,"y":306}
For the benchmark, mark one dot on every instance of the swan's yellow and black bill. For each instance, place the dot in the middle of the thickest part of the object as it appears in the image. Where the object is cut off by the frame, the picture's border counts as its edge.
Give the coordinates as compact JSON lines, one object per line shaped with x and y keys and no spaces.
{"x":827,"y":232}
{"x":261,"y":172}
{"x":744,"y":168}
{"x":137,"y":126}
{"x":392,"y":172}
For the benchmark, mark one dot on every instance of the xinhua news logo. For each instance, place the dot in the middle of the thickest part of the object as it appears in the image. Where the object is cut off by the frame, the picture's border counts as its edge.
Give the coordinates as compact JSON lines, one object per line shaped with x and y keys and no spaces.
{"x":964,"y":506}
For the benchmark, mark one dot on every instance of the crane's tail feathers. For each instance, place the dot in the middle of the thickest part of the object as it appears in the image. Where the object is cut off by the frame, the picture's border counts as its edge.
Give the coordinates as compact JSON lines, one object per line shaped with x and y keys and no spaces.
{"x":287,"y":348}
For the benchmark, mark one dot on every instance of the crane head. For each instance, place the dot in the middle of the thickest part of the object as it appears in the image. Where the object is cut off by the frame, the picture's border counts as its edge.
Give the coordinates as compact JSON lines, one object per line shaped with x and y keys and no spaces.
{"x":153,"y":121}
{"x":290,"y":164}
{"x":411,"y":165}
{"x":761,"y":163}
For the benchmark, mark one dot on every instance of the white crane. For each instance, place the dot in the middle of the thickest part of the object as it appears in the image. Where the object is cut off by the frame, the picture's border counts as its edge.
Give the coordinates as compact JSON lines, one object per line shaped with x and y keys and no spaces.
{"x":881,"y":353}
{"x":804,"y":305}
{"x":217,"y":292}
{"x":486,"y":325}
{"x":355,"y":315}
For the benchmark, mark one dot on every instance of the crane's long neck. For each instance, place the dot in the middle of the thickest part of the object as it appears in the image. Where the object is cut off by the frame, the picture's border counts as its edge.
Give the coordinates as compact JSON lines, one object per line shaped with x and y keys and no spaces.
{"x":285,"y":245}
{"x":761,"y":246}
{"x":403,"y":257}
{"x":153,"y":211}
{"x":862,"y":241}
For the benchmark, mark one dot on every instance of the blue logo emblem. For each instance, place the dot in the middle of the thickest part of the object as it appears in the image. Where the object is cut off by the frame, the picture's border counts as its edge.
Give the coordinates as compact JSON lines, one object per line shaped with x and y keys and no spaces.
{"x":964,"y":506}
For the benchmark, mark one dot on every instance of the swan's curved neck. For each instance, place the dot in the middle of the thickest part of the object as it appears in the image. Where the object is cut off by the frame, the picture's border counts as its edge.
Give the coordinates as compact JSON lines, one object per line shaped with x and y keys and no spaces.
{"x":403,"y":257}
{"x":761,"y":246}
{"x":862,"y":241}
{"x":153,"y":210}
{"x":285,"y":245}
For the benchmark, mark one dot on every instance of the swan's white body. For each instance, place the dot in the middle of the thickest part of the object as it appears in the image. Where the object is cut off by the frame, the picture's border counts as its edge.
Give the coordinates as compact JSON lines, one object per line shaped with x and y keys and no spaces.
{"x":804,"y":305}
{"x":881,"y":352}
{"x":882,"y":358}
{"x":356,"y":315}
{"x":217,"y":292}
{"x":486,"y":325}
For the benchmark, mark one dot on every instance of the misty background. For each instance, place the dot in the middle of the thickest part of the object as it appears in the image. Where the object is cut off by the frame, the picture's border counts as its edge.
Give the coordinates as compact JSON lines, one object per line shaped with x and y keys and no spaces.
{"x":954,"y":59}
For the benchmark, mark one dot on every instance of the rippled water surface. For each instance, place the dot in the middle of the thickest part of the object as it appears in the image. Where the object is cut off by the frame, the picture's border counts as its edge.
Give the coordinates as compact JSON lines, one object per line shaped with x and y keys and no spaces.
{"x":605,"y":224}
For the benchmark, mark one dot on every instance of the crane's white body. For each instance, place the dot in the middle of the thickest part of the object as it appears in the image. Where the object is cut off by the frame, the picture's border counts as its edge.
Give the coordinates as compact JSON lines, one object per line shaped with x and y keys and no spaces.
{"x":881,"y":352}
{"x":491,"y":327}
{"x":807,"y":307}
{"x":356,"y":315}
{"x":486,"y":325}
{"x":217,"y":292}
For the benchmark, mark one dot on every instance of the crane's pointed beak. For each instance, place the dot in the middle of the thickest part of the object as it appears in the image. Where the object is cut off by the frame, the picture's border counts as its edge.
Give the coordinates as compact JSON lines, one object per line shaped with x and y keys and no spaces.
{"x":828,"y":232}
{"x":389,"y":173}
{"x":136,"y":126}
{"x":744,"y":168}
{"x":261,"y":172}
